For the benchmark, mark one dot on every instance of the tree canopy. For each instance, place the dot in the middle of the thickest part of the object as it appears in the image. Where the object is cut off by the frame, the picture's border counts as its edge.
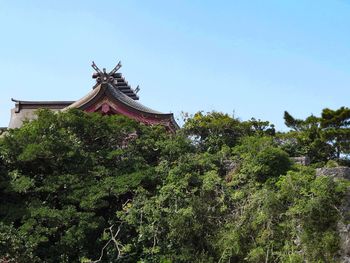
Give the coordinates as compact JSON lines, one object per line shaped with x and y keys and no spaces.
{"x":322,"y":138}
{"x":82,"y":187}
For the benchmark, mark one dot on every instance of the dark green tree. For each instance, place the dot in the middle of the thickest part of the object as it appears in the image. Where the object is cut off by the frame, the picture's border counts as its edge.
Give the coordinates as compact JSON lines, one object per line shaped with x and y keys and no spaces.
{"x":336,"y":129}
{"x":213,"y":130}
{"x":66,"y":175}
{"x":306,"y":138}
{"x":81,"y":187}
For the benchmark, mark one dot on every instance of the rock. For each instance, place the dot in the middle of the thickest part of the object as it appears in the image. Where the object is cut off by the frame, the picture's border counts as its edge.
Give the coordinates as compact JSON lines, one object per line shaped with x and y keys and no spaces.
{"x":303,"y":160}
{"x":340,"y":172}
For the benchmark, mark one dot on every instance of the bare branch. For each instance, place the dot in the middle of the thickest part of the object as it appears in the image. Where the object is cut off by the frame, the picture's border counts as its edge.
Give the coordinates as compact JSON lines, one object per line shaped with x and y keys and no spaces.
{"x":113,"y":239}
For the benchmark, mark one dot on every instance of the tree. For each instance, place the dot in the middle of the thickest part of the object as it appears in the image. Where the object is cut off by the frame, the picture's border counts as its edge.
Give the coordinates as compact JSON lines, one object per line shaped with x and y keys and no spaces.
{"x":68,"y":173}
{"x":15,"y":247}
{"x":292,"y":220}
{"x":336,"y":127}
{"x":261,"y":159}
{"x":259,"y":127}
{"x":306,"y":138}
{"x":82,"y":187}
{"x":181,"y":220}
{"x":213,"y":130}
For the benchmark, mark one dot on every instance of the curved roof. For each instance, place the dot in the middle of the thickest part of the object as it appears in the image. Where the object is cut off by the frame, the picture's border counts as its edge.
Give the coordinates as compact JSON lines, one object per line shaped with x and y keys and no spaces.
{"x":88,"y":97}
{"x":111,"y":86}
{"x":110,"y":91}
{"x":104,"y":89}
{"x":130,"y":102}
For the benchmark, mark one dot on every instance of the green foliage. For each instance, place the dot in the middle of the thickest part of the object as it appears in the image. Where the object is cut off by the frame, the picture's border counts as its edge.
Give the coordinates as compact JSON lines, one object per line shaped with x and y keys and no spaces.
{"x":293,"y":220}
{"x":306,"y":139}
{"x":259,"y":127}
{"x":14,"y":247}
{"x":336,"y":125}
{"x":213,"y":130}
{"x":76,"y":187}
{"x":179,"y":222}
{"x":68,"y":174}
{"x":261,"y":159}
{"x":321,"y":138}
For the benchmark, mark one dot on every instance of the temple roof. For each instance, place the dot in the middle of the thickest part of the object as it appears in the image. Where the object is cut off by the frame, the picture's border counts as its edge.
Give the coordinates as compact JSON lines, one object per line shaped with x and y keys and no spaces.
{"x":114,"y":78}
{"x":22,"y":104}
{"x":123,"y":86}
{"x":106,"y":89}
{"x":111,"y":92}
{"x":132,"y":103}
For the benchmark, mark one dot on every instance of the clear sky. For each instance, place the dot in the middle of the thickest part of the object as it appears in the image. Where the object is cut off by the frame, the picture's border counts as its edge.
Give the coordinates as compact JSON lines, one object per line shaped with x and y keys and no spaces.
{"x":253,"y":58}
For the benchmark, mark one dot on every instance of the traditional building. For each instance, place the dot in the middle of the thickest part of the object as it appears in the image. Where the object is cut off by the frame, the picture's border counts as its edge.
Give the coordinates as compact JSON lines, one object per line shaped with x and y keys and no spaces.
{"x":110,"y":95}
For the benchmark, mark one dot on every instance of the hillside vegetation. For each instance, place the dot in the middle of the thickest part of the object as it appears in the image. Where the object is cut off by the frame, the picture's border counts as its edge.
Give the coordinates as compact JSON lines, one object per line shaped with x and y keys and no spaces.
{"x":78,"y":187}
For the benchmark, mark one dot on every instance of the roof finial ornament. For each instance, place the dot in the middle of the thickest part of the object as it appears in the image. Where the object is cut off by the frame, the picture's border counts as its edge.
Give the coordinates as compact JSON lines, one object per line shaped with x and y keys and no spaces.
{"x":103,"y":76}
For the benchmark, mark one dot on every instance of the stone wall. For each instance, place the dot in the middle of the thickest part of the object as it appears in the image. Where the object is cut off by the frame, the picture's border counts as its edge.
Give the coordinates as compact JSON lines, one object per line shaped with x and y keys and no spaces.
{"x":340,"y":172}
{"x":303,"y":160}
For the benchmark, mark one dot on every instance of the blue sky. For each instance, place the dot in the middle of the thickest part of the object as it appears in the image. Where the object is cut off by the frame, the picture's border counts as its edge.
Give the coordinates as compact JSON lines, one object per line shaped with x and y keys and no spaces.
{"x":253,"y":58}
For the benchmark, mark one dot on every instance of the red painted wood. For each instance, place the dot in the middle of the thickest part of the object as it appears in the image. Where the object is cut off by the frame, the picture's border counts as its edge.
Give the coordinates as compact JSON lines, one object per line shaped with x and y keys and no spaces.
{"x":108,"y":107}
{"x":105,"y":108}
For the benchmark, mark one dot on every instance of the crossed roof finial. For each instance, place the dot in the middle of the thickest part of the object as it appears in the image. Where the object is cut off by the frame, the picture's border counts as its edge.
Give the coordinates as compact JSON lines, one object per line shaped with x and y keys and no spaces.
{"x":103,"y":76}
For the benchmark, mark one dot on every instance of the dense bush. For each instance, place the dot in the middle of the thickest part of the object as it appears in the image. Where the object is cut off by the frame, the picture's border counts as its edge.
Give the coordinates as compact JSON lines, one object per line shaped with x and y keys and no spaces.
{"x":78,"y":187}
